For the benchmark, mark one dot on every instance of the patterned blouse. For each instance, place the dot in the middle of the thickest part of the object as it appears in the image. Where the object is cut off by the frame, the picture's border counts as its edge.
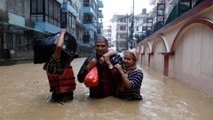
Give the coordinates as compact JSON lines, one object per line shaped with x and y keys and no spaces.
{"x":55,"y":67}
{"x":136,"y":78}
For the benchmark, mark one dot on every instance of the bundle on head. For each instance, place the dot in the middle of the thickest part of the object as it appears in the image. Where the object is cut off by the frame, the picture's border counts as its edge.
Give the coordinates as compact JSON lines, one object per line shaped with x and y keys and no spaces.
{"x":44,"y":48}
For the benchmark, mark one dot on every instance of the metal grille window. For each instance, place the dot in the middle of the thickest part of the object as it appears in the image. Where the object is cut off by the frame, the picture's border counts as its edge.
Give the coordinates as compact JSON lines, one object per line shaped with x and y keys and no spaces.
{"x":46,"y":7}
{"x":36,"y":6}
{"x":50,"y":13}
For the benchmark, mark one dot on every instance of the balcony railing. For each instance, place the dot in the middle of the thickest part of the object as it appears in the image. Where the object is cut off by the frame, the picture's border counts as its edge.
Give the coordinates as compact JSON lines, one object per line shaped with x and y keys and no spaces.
{"x":179,"y":9}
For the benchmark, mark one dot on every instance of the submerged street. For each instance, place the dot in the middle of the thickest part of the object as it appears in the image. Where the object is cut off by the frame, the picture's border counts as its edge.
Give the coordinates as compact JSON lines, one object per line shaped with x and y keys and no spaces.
{"x":24,"y":93}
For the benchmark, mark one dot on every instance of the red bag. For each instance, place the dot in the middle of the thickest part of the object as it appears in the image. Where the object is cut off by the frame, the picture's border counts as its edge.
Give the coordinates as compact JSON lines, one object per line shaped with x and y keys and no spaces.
{"x":91,"y":79}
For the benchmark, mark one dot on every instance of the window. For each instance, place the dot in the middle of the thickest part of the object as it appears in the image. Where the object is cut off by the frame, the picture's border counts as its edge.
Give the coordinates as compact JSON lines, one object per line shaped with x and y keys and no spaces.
{"x":86,"y":3}
{"x":123,"y":20}
{"x":122,"y":27}
{"x":46,"y":7}
{"x":51,"y":13}
{"x":36,"y":6}
{"x":70,"y":22}
{"x":87,"y":18}
{"x":33,"y":6}
{"x":123,"y":35}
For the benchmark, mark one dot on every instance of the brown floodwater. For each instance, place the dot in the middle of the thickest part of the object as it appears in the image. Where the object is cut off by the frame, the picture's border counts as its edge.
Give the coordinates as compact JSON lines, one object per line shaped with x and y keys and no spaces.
{"x":24,"y":95}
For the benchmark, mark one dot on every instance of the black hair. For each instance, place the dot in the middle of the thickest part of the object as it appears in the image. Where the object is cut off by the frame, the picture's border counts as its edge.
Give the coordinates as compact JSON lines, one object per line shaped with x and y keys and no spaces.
{"x":102,"y":38}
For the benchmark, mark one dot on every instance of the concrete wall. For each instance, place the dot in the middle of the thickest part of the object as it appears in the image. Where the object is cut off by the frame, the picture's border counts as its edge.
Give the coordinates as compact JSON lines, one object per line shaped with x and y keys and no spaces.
{"x":157,"y":59}
{"x":183,"y":49}
{"x":194,"y":58}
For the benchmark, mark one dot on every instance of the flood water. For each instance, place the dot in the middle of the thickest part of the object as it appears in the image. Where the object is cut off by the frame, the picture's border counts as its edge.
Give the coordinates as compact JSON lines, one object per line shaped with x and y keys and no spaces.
{"x":24,"y":95}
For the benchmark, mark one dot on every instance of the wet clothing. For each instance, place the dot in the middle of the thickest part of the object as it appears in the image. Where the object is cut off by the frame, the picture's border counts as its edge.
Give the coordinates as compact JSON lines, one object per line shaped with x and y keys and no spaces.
{"x":55,"y":67}
{"x":136,"y":78}
{"x":108,"y":80}
{"x":62,"y":97}
{"x":61,"y":78}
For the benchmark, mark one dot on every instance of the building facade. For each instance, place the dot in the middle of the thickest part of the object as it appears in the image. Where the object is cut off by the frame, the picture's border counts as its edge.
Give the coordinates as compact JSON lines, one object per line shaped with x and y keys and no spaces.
{"x":120,"y":32}
{"x":92,"y":15}
{"x":23,"y":21}
{"x":17,"y":30}
{"x":107,"y":32}
{"x":127,"y":32}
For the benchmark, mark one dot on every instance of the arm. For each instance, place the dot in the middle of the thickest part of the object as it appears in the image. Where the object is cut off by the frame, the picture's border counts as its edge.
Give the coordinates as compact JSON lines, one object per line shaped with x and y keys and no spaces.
{"x":107,"y":56}
{"x":59,"y":44}
{"x":91,"y":64}
{"x":87,"y":65}
{"x":125,"y":80}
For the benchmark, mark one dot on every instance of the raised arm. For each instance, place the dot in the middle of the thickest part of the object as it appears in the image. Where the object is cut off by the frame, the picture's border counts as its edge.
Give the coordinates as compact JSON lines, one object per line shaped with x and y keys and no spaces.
{"x":59,"y":44}
{"x":107,"y":56}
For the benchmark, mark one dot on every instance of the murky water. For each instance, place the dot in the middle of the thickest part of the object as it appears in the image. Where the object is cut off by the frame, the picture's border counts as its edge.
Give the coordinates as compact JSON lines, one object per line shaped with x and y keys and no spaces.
{"x":24,"y":95}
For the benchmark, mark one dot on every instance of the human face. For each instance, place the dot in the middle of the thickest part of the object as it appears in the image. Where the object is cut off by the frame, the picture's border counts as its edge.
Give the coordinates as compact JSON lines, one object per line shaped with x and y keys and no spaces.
{"x":128,"y":60}
{"x":101,"y":47}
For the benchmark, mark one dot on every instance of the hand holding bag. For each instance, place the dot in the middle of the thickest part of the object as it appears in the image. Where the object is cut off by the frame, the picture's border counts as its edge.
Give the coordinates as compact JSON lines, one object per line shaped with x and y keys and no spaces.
{"x":91,"y":79}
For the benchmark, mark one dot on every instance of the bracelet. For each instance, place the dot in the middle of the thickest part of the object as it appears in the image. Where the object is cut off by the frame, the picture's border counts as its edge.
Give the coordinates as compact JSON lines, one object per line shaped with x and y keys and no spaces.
{"x":110,"y":66}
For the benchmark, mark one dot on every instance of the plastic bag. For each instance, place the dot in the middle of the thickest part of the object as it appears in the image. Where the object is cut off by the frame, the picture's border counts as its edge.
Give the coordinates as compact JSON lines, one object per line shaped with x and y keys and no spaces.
{"x":44,"y":48}
{"x":91,"y":79}
{"x":83,"y":72}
